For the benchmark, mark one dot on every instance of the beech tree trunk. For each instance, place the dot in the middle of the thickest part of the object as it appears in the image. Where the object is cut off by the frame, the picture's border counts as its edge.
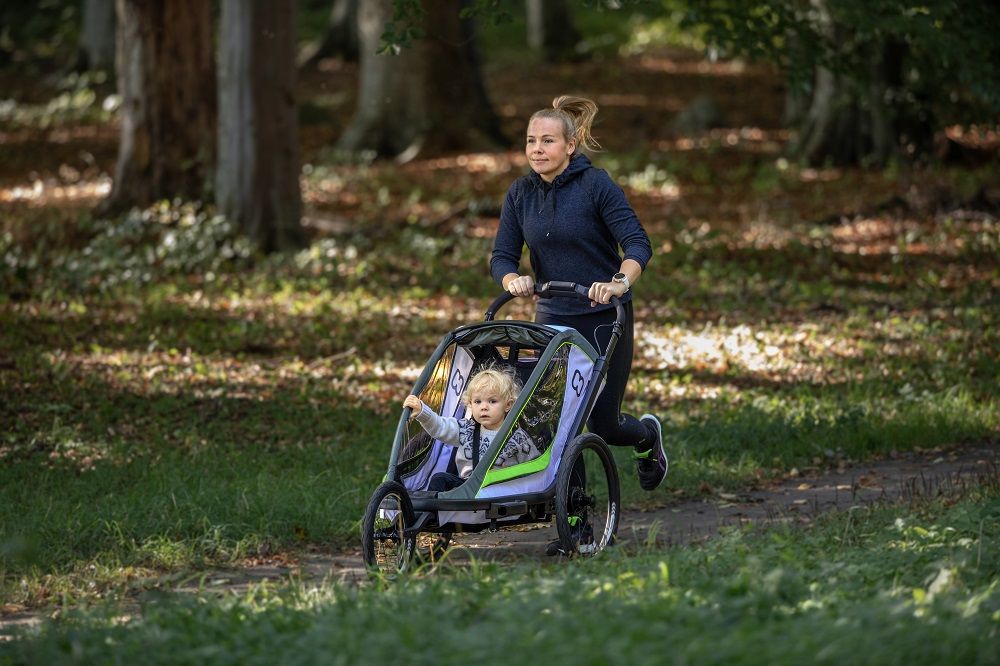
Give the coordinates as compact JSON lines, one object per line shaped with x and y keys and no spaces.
{"x":257,"y":180}
{"x":428,"y":99}
{"x":166,"y":77}
{"x":341,"y":38}
{"x":97,"y":36}
{"x":849,"y":119}
{"x":551,"y":30}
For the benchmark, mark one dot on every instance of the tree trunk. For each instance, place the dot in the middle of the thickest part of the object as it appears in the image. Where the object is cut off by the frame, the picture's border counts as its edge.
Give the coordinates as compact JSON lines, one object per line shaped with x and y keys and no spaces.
{"x":257,"y":181}
{"x":166,"y":77}
{"x":551,"y":30}
{"x":851,"y":119}
{"x":341,"y":38}
{"x":431,"y":97}
{"x":97,"y":36}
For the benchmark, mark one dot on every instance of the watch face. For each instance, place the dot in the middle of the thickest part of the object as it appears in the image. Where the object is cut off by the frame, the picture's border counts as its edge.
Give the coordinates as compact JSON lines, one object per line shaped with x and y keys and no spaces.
{"x":619,"y":277}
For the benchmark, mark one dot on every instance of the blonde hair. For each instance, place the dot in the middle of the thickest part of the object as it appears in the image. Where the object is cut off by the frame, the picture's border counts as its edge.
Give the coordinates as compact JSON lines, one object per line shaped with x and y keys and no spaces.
{"x":576,"y":115}
{"x":497,"y":379}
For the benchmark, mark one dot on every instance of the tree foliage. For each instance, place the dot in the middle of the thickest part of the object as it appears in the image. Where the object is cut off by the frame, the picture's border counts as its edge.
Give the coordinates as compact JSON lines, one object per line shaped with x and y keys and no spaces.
{"x":926,"y":64}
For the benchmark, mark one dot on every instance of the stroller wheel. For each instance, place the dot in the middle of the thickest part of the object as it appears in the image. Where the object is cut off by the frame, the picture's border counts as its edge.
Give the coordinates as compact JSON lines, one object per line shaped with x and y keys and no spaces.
{"x":587,"y":497}
{"x":385,"y":546}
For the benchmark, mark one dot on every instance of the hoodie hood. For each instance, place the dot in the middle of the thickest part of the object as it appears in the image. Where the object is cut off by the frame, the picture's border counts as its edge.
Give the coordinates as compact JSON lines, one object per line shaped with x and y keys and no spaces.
{"x":577,"y":165}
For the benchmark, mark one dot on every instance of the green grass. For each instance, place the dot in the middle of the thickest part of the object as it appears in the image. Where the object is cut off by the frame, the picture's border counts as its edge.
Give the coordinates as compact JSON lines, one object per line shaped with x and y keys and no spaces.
{"x":176,"y":402}
{"x":172,"y":401}
{"x":916,"y":584}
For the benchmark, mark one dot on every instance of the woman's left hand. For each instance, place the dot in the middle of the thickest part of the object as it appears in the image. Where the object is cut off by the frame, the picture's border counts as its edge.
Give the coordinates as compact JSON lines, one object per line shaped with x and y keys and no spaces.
{"x":601,"y":292}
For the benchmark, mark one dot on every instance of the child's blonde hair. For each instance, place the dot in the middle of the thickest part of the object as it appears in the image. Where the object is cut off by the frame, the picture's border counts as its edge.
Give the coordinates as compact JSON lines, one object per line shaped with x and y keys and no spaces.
{"x":496,"y":379}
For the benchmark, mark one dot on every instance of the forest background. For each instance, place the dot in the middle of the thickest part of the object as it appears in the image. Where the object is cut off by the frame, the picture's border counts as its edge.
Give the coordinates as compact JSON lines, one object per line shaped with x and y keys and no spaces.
{"x":225,"y":259}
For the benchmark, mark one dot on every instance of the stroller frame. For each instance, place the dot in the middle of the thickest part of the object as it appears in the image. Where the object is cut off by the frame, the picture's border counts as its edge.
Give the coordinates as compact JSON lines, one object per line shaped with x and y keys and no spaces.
{"x":396,"y":515}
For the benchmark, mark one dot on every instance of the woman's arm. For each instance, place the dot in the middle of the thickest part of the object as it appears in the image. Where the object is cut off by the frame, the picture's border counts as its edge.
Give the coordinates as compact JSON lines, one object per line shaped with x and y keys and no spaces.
{"x":509,"y":242}
{"x":601,"y":292}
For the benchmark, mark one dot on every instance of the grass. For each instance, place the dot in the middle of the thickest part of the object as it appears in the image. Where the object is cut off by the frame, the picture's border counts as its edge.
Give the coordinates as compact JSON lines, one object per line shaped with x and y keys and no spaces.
{"x":172,"y":402}
{"x":174,"y":407}
{"x":910,"y":584}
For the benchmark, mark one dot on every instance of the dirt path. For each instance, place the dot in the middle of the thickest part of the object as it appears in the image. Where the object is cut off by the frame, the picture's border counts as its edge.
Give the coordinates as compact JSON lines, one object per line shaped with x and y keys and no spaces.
{"x":796,"y":500}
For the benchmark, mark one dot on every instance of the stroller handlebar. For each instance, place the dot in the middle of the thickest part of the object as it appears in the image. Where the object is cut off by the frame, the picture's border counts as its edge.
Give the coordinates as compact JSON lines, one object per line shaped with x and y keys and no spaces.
{"x":555,"y":289}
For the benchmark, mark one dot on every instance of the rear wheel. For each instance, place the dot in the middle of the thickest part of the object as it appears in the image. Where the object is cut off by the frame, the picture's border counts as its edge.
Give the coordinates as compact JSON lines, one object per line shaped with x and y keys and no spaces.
{"x":384,"y":545}
{"x":587,"y":497}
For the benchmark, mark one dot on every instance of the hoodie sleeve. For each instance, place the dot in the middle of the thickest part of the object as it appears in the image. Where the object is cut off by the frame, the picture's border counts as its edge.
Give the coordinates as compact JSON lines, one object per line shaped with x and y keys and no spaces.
{"x":621,"y":220}
{"x":509,"y":243}
{"x":444,"y":428}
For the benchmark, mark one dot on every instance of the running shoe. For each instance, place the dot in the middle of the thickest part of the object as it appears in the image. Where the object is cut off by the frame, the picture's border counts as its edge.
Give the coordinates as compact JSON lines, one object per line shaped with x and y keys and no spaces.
{"x":652,"y":464}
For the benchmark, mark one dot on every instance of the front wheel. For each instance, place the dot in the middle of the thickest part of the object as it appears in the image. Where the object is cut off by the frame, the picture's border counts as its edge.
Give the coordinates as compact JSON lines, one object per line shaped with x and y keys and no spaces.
{"x":384,"y":544}
{"x":587,"y":497}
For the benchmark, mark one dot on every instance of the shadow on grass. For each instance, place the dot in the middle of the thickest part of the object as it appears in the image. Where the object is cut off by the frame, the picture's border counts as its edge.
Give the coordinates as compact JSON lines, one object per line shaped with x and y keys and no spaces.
{"x":91,"y":472}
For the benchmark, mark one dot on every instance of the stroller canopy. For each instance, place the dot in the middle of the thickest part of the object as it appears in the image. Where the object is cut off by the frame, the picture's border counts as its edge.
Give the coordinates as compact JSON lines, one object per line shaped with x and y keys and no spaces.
{"x":554,"y":364}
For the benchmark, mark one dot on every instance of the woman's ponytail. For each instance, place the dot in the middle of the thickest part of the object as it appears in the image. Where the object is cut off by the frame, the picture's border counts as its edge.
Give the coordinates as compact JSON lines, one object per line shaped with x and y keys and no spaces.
{"x":576,"y":115}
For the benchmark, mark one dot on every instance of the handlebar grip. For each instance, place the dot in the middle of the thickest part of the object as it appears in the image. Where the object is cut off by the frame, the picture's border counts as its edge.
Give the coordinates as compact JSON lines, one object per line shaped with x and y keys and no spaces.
{"x":555,"y":288}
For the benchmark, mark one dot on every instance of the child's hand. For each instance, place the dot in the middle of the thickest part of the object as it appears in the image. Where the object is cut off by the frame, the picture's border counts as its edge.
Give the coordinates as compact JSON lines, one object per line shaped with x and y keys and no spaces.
{"x":413,"y":402}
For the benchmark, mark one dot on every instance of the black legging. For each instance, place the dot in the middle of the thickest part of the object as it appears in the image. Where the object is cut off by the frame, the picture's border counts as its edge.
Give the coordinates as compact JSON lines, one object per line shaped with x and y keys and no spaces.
{"x":606,"y":419}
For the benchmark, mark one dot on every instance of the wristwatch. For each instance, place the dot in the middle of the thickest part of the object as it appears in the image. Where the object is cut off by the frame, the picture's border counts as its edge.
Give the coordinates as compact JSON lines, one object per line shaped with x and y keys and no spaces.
{"x":621,"y":277}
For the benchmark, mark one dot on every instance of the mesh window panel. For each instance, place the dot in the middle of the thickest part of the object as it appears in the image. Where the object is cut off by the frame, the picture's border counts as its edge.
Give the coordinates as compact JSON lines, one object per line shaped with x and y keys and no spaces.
{"x":540,"y":417}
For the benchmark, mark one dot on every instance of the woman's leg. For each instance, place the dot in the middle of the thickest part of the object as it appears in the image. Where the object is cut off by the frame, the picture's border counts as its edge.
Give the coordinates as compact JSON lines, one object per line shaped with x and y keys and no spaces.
{"x":606,"y":419}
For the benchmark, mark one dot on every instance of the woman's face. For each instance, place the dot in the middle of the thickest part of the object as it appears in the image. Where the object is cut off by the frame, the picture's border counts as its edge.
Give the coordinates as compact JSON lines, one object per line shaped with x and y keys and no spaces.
{"x":547,"y":149}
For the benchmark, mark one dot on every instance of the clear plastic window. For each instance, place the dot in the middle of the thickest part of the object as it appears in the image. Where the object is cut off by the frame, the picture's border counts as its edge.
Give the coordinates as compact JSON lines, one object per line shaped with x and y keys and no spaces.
{"x":539,"y":419}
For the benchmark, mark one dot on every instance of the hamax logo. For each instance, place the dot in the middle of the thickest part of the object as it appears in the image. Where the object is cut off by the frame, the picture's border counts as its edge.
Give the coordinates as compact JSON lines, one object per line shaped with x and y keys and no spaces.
{"x":457,"y":381}
{"x":578,"y":383}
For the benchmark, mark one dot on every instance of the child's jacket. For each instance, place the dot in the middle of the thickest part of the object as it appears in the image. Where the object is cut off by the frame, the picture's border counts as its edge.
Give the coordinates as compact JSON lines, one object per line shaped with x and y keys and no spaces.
{"x":461,"y":434}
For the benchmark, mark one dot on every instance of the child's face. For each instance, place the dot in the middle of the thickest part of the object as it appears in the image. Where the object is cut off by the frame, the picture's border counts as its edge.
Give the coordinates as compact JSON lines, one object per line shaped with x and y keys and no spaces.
{"x":488,"y":408}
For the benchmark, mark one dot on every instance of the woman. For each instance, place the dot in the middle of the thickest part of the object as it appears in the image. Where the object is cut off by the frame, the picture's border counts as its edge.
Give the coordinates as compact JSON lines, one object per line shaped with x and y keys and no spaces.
{"x":574,"y":218}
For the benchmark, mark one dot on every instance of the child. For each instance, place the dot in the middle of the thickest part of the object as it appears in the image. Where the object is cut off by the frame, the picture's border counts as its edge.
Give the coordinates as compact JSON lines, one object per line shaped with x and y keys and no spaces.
{"x":489,"y":396}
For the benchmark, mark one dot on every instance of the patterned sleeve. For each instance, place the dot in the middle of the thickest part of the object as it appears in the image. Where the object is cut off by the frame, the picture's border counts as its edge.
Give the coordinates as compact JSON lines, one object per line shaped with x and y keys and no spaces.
{"x":519,"y":448}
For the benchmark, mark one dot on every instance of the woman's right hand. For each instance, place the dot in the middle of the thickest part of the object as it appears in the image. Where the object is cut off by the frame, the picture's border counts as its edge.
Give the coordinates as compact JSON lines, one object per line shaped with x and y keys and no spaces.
{"x":522,"y":285}
{"x":413,"y":402}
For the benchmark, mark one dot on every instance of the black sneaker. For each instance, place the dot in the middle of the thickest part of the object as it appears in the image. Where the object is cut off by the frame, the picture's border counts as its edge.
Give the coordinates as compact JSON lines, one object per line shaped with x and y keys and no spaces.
{"x":652,"y":464}
{"x":553,"y":548}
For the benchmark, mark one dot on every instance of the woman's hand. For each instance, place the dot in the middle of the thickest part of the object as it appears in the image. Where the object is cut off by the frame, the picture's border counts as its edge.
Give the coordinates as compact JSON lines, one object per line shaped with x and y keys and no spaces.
{"x":414,"y":403}
{"x":522,"y":285}
{"x":601,"y":292}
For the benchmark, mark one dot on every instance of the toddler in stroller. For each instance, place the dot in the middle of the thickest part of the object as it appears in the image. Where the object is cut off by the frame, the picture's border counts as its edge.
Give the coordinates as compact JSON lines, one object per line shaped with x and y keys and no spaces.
{"x":490,"y":394}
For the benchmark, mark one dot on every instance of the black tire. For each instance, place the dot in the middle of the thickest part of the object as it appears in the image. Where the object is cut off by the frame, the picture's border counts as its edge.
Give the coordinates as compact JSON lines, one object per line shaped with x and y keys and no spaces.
{"x":384,"y":544}
{"x":587,"y":497}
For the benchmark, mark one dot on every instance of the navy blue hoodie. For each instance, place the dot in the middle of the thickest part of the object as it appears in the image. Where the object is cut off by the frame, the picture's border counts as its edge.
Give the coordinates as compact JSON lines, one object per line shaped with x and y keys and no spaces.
{"x":573,"y":227}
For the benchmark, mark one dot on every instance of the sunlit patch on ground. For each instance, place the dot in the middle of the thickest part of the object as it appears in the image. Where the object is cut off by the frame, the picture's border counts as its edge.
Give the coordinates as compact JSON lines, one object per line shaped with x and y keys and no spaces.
{"x":685,"y":66}
{"x":49,"y":192}
{"x":796,"y":354}
{"x":745,"y":139}
{"x":378,"y":385}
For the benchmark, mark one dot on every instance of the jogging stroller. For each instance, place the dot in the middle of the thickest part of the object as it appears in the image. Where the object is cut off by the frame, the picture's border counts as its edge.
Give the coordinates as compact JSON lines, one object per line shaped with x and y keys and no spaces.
{"x":574,"y":479}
